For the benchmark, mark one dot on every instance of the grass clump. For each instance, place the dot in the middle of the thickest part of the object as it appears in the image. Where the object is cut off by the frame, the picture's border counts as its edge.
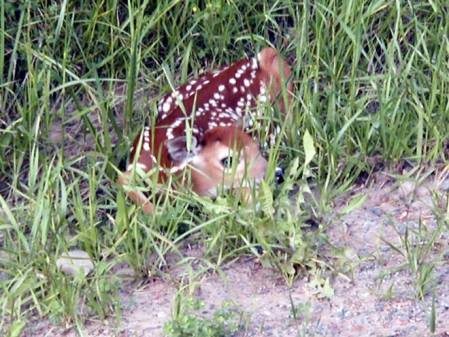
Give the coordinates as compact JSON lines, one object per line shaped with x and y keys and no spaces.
{"x":186,"y":321}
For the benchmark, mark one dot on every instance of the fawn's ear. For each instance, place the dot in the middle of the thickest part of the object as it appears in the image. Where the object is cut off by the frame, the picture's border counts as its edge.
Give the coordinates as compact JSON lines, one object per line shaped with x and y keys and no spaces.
{"x":272,"y":63}
{"x":278,"y":71}
{"x":182,"y":151}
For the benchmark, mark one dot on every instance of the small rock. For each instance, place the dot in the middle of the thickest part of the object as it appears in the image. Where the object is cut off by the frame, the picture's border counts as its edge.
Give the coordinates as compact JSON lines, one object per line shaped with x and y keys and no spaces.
{"x":406,"y":189}
{"x":423,"y":203}
{"x":74,"y":262}
{"x":343,"y":313}
{"x":376,"y":211}
{"x":422,"y":191}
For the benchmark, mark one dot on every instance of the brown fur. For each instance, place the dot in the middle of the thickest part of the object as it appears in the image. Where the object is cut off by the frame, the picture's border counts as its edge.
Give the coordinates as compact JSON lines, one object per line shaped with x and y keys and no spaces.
{"x":215,"y":138}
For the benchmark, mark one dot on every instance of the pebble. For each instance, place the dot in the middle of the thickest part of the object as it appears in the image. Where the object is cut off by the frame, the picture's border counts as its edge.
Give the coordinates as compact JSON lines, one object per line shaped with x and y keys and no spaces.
{"x":376,"y":211}
{"x":75,"y":262}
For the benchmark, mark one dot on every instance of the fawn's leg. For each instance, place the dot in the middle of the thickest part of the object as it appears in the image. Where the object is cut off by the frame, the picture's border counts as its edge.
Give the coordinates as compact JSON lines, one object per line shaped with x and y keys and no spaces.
{"x":136,"y":196}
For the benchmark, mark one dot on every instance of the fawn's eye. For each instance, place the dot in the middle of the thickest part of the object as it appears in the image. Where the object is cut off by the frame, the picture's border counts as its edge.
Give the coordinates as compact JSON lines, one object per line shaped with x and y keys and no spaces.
{"x":226,"y":162}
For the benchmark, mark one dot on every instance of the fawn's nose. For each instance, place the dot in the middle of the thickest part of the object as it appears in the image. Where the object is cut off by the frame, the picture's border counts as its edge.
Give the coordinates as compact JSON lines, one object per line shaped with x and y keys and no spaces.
{"x":279,"y":175}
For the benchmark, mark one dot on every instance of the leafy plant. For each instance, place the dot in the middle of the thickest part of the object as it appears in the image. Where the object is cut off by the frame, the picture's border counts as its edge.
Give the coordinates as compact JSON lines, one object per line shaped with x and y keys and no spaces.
{"x":187,"y":322}
{"x":416,"y":247}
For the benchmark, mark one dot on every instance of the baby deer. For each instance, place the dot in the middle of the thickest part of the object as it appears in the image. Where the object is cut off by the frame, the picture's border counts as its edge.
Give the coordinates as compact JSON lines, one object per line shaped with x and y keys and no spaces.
{"x":199,"y":128}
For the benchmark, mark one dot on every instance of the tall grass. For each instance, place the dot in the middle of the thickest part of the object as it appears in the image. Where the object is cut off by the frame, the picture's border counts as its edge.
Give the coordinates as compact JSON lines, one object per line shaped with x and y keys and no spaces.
{"x":371,"y":79}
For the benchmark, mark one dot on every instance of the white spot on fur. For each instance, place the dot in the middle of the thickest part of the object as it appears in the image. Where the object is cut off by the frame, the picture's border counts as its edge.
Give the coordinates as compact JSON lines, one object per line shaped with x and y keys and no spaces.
{"x":254,"y":63}
{"x":221,"y":87}
{"x":234,"y":116}
{"x":166,"y":107}
{"x":138,"y":165}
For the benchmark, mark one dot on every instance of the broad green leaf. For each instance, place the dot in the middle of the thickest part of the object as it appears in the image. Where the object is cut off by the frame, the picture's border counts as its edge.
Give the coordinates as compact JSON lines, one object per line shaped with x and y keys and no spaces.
{"x":309,"y":148}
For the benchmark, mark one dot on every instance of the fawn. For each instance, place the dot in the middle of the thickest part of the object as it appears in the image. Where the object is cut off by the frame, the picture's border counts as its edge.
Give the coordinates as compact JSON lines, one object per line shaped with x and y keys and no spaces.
{"x":200,"y":128}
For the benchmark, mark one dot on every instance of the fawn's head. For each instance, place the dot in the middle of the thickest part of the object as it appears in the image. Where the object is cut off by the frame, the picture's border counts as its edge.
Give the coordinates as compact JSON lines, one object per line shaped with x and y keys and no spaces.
{"x":225,"y":157}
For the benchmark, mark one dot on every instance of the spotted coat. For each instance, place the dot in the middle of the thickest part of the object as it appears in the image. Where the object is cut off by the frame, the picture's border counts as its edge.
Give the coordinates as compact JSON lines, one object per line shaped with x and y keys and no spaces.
{"x":223,"y":98}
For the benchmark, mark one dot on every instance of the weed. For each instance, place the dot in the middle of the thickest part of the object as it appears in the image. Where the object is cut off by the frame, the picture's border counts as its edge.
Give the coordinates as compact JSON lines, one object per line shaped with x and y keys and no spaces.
{"x":186,"y":321}
{"x":302,"y":314}
{"x":415,"y":247}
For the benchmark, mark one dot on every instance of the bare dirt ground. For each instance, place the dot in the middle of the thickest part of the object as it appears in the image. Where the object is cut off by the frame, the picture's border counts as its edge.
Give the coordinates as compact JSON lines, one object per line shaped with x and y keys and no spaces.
{"x":377,"y":299}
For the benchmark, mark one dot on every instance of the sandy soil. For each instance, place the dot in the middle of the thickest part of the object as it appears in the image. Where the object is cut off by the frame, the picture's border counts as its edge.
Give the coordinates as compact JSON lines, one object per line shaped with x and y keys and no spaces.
{"x":367,"y":302}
